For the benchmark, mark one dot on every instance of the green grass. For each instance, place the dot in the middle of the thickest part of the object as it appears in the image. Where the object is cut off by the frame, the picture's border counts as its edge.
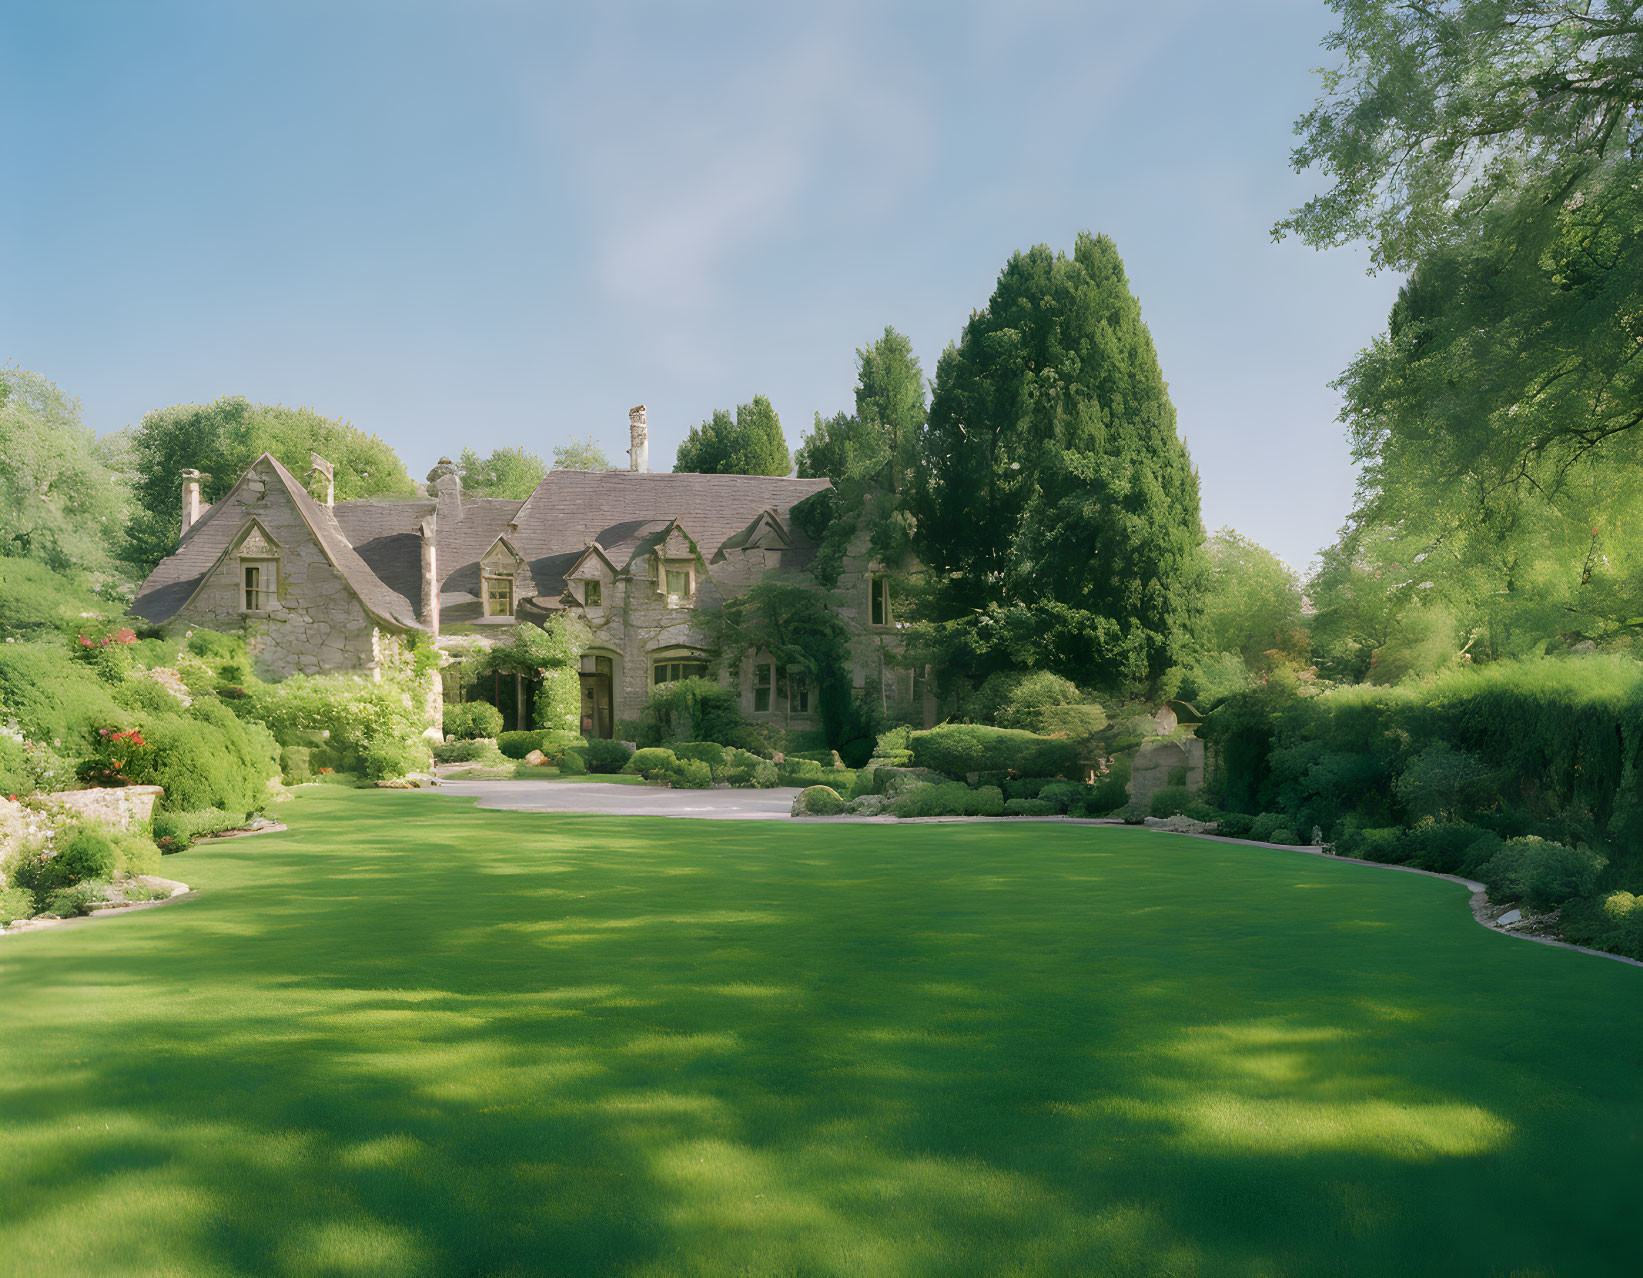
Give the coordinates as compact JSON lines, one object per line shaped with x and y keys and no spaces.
{"x":411,"y":1037}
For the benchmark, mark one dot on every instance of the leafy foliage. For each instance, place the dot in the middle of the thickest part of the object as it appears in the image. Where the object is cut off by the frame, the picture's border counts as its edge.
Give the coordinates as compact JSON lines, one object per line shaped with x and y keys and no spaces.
{"x":222,"y":439}
{"x":750,"y":444}
{"x":959,"y":750}
{"x":869,"y":457}
{"x":472,"y":719}
{"x":59,"y":504}
{"x":1439,"y":112}
{"x":512,"y":472}
{"x":580,"y":454}
{"x":1056,"y":506}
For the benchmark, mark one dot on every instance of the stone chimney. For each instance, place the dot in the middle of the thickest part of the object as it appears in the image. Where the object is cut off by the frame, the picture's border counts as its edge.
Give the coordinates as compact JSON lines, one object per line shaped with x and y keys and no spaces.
{"x":445,"y":487}
{"x":430,"y":573}
{"x":191,"y":497}
{"x":318,"y":463}
{"x":639,"y":452}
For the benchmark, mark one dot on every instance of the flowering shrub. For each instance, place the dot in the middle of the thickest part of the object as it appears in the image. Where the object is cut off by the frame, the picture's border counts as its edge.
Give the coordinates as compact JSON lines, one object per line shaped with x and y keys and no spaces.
{"x":116,"y":755}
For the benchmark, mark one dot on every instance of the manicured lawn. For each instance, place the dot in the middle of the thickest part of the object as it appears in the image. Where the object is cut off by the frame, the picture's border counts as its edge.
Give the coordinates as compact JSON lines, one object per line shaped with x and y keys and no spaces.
{"x":409,"y":1037}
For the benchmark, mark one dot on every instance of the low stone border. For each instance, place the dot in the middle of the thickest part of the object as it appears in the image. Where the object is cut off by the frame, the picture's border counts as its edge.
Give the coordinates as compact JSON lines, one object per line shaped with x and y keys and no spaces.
{"x":174,"y":890}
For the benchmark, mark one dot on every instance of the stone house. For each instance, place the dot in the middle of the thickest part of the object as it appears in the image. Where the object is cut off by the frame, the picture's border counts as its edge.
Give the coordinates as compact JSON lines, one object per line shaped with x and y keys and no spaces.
{"x":317,"y":584}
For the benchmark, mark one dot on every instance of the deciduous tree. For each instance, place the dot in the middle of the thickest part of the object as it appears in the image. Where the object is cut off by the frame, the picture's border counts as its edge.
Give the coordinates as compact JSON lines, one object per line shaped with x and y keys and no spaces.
{"x":750,"y":444}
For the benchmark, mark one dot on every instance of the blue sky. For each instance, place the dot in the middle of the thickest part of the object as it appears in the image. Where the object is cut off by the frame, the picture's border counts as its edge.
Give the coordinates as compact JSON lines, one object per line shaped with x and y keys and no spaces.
{"x":485,"y":223}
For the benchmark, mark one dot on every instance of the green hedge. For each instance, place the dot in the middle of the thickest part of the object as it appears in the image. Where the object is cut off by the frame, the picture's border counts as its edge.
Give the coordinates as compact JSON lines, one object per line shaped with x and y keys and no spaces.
{"x":1030,"y":807}
{"x":470,"y":720}
{"x":818,"y":800}
{"x":606,"y":756}
{"x":650,"y":762}
{"x":959,"y":750}
{"x":949,"y":798}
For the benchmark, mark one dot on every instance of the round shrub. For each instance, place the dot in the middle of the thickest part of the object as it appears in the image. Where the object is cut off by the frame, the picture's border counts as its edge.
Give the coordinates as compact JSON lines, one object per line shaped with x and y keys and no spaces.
{"x":516,"y":745}
{"x":1030,"y":807}
{"x":651,"y":762}
{"x":1542,"y":874}
{"x":708,"y":752}
{"x":574,"y":762}
{"x":473,"y":719}
{"x":1235,"y":825}
{"x":1262,"y":827}
{"x":748,"y":771}
{"x":385,"y":760}
{"x":607,"y":756}
{"x":689,"y":774}
{"x":470,"y":751}
{"x":818,"y":800}
{"x":1169,"y":801}
{"x":89,"y":854}
{"x":1283,"y":834}
{"x":959,"y":750}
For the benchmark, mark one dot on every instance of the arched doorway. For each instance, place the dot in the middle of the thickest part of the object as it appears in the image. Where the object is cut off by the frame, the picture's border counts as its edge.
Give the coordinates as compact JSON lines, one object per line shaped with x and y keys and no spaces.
{"x":598,"y":680}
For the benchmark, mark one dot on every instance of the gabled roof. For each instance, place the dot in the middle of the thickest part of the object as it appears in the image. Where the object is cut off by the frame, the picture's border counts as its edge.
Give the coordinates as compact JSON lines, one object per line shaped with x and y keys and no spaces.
{"x":173,"y":583}
{"x":624,"y":511}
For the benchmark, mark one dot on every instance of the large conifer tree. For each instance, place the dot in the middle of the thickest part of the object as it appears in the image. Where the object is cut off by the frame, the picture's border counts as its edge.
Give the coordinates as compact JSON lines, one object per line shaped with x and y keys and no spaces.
{"x":1055,"y":503}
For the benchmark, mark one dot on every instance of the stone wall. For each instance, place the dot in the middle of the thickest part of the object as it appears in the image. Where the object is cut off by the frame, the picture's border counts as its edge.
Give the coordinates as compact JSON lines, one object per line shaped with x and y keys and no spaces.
{"x":1155,"y":760}
{"x":121,"y":807}
{"x":313,"y":622}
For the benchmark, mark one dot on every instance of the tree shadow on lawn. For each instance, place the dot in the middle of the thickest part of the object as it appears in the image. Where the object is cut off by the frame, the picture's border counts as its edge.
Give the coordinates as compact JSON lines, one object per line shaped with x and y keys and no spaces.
{"x":584,"y":1045}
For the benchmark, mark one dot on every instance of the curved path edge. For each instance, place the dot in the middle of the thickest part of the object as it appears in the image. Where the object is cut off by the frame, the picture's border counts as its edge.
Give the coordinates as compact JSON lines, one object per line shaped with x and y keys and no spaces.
{"x":175,"y":891}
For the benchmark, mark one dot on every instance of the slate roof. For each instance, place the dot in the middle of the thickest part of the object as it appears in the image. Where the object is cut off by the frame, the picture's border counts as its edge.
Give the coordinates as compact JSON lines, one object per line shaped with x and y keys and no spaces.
{"x":170,"y":586}
{"x":377,"y":547}
{"x":626,"y":511}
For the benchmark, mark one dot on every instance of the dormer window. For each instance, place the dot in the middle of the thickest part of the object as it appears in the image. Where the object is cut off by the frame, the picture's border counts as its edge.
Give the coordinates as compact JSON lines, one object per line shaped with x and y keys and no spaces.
{"x":593,"y":594}
{"x":258,"y":572}
{"x":678,"y":581}
{"x":255,"y":584}
{"x":499,"y":596}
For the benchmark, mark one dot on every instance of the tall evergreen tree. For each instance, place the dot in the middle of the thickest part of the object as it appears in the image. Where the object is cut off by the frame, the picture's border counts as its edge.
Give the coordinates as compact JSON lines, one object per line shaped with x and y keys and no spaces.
{"x":751,"y":444}
{"x":868,"y":455}
{"x":1056,"y":505}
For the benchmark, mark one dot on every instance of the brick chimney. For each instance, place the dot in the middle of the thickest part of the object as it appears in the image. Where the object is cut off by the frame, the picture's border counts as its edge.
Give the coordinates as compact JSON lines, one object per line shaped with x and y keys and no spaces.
{"x":191,"y":497}
{"x":639,"y":452}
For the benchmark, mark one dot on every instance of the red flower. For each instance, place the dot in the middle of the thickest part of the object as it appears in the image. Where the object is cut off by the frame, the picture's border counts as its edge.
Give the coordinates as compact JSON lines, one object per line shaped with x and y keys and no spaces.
{"x":85,"y":643}
{"x":125,"y":635}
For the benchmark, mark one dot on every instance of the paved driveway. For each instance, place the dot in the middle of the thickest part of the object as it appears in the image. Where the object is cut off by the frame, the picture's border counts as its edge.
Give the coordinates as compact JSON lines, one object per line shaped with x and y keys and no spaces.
{"x":624,"y":800}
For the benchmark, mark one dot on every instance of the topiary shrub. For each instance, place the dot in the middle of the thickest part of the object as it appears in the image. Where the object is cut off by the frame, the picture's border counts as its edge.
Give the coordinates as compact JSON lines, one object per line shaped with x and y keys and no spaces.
{"x":516,"y":745}
{"x":469,"y":751}
{"x":473,"y":719}
{"x":1284,"y":835}
{"x":748,"y":771}
{"x":960,"y":750}
{"x":708,"y":752}
{"x":650,"y":762}
{"x":88,"y":854}
{"x":1540,"y":873}
{"x":818,"y":800}
{"x":1235,"y":825}
{"x":607,"y":756}
{"x":1169,"y":801}
{"x":1030,"y":807}
{"x":948,"y":798}
{"x":574,"y":762}
{"x":689,"y":774}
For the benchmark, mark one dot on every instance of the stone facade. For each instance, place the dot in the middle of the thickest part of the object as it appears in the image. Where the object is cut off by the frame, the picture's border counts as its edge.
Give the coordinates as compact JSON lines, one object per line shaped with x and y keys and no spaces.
{"x":317,"y":585}
{"x":123,"y":807}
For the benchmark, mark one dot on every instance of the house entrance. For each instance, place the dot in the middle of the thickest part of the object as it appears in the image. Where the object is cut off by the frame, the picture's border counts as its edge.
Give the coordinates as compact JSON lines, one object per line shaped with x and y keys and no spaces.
{"x":597,"y":717}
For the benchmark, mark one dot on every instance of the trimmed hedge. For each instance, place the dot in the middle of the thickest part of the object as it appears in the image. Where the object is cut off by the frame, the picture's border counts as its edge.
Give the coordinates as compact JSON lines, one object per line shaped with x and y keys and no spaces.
{"x":689,"y":774}
{"x":1030,"y":807}
{"x":818,"y":800}
{"x":650,"y":762}
{"x":950,"y":798}
{"x":473,"y":719}
{"x":606,"y":756}
{"x":959,"y":750}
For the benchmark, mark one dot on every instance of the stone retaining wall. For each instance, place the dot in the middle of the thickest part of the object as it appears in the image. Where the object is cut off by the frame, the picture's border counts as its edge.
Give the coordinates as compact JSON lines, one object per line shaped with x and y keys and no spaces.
{"x":122,"y":808}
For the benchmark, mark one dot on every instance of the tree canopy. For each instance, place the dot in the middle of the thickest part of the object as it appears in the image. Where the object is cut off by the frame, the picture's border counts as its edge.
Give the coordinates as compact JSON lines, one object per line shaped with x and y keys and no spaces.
{"x":750,"y":444}
{"x":580,"y":454}
{"x":869,"y":456}
{"x":1442,"y":110}
{"x":1056,"y":506}
{"x":1253,"y":602}
{"x":225,"y":437}
{"x":59,"y":503}
{"x":505,"y":472}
